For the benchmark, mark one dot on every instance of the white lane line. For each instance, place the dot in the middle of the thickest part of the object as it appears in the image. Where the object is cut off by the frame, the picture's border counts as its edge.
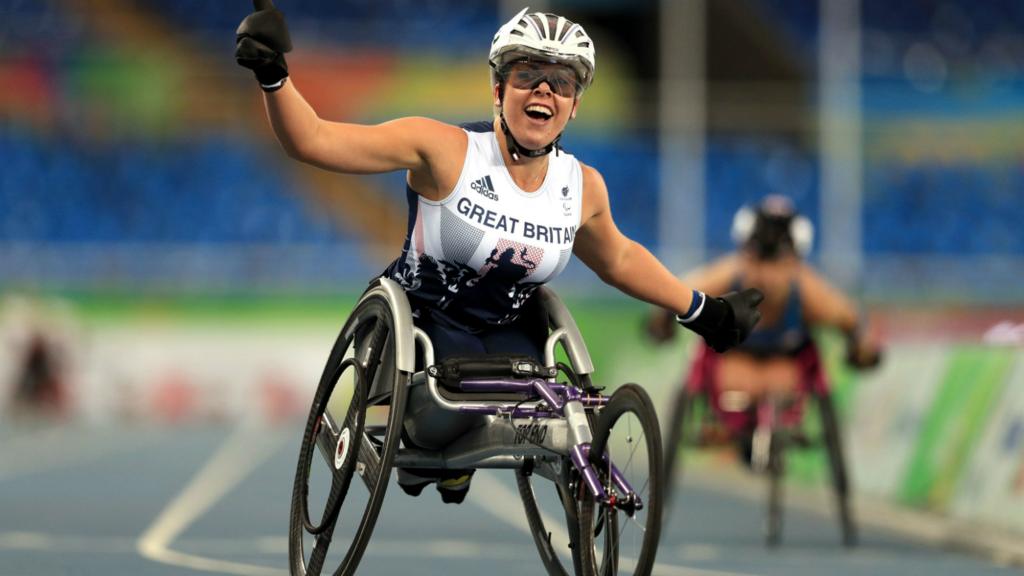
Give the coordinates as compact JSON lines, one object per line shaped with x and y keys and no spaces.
{"x":502,"y":502}
{"x":271,"y":545}
{"x":49,"y":543}
{"x":384,"y":548}
{"x":236,"y":458}
{"x":495,"y":497}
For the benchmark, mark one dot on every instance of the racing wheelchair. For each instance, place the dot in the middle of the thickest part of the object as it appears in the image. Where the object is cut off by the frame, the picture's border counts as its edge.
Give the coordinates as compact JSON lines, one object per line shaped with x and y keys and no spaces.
{"x":601,"y":455}
{"x":764,"y":430}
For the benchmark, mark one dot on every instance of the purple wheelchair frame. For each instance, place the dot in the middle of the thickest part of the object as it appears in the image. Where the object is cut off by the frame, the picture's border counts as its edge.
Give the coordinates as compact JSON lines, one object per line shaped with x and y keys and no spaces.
{"x":555,"y":398}
{"x":548,"y":405}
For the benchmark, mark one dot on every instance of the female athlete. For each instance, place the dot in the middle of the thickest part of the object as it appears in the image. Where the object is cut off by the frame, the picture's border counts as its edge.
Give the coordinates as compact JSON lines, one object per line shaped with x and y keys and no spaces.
{"x":772,"y":240}
{"x":496,"y":208}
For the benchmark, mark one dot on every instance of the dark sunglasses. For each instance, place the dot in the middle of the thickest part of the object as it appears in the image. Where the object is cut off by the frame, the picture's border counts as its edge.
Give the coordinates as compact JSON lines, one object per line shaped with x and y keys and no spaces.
{"x":527,"y":75}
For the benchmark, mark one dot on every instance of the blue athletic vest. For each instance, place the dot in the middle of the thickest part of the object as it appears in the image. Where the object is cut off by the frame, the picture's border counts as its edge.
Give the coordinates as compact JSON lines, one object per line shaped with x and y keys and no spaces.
{"x":787,"y":337}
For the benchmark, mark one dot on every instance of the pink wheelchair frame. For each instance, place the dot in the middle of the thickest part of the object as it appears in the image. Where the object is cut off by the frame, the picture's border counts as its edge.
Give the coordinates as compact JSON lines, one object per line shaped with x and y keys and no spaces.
{"x":701,"y":381}
{"x":771,"y":424}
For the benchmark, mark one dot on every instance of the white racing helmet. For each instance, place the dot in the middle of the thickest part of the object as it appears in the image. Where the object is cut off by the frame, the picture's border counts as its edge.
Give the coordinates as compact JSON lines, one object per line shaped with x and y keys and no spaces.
{"x":546,"y":37}
{"x":772,"y":226}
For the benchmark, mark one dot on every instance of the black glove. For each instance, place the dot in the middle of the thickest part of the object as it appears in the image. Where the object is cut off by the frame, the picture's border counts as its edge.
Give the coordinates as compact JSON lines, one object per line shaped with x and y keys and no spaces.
{"x":658,"y":326}
{"x":862,"y":359}
{"x":725,"y":322}
{"x":261,"y":42}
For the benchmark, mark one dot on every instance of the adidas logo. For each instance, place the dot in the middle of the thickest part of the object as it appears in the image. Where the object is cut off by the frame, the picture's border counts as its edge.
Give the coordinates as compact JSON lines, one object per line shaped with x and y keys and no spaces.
{"x":485,"y":187}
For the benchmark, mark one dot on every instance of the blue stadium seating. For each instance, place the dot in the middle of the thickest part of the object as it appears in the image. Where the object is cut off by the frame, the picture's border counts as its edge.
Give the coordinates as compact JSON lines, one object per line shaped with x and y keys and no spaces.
{"x":450,"y":26}
{"x":213,"y":190}
{"x":220,"y":190}
{"x":930,"y":208}
{"x":742,"y":170}
{"x":629,"y":165}
{"x":951,"y":210}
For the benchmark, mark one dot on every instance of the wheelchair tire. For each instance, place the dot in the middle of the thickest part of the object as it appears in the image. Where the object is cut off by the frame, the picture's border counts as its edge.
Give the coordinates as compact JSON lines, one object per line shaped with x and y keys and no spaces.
{"x":351,"y":448}
{"x":541,"y":535}
{"x":630,"y":412}
{"x":675,"y":436}
{"x":837,"y":465}
{"x":776,"y":475}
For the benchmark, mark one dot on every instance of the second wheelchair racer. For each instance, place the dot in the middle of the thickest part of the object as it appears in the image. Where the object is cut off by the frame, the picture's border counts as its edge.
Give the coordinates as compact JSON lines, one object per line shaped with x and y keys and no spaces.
{"x":496,"y":208}
{"x":772,"y":241}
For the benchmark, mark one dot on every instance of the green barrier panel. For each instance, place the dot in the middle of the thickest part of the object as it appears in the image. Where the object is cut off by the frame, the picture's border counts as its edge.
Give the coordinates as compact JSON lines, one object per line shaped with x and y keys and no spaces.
{"x":974,"y":379}
{"x":608,"y":326}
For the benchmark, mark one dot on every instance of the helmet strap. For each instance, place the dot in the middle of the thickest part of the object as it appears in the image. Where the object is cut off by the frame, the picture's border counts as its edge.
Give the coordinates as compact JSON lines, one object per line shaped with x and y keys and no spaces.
{"x":516,"y":150}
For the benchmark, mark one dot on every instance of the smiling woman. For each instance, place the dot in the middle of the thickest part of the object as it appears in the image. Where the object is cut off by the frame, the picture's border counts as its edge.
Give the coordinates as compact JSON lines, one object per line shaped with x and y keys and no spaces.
{"x":496,"y":208}
{"x":535,"y":50}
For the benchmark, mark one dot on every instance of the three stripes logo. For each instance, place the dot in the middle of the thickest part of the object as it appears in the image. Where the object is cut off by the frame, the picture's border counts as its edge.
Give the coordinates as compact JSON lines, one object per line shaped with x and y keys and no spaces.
{"x":485,"y":187}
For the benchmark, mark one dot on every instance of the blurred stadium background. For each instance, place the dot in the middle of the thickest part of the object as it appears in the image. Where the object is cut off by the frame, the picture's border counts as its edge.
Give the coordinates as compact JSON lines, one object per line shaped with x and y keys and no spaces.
{"x":161,"y":258}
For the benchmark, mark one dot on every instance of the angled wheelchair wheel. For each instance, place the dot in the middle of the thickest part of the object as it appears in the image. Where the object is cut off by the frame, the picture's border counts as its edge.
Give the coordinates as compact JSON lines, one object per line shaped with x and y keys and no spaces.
{"x":547,"y":502}
{"x":620,"y":538}
{"x":776,"y":473}
{"x":837,"y":464}
{"x":355,"y":426}
{"x":675,"y":437}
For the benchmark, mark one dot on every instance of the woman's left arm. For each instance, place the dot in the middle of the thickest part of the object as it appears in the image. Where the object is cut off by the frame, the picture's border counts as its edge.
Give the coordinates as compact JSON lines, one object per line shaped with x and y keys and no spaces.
{"x":619,"y":261}
{"x":723,"y":322}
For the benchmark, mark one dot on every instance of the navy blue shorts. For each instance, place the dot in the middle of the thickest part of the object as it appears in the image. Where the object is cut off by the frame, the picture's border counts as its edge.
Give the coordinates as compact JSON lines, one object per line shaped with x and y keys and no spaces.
{"x":428,"y":425}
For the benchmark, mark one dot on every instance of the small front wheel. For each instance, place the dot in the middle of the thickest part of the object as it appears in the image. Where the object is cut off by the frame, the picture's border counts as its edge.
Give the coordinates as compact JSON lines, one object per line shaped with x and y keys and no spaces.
{"x":621,"y":536}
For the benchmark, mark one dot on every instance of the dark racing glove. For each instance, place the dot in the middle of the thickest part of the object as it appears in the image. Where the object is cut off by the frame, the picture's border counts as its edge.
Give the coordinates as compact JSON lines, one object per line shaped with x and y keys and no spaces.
{"x":723,"y":322}
{"x":862,"y":355}
{"x":261,"y":42}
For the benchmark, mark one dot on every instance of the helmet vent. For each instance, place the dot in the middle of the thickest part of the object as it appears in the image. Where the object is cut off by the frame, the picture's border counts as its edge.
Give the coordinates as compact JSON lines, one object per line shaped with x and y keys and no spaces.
{"x":550,"y":37}
{"x":537,"y":24}
{"x":552,"y":26}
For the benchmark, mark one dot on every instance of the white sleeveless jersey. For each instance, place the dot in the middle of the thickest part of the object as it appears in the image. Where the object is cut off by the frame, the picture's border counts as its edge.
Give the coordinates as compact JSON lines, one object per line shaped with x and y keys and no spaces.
{"x":475,"y":257}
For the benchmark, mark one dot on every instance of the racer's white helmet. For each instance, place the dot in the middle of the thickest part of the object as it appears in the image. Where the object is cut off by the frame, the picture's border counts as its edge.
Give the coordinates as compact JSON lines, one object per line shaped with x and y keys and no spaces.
{"x":772,"y":227}
{"x":547,"y":37}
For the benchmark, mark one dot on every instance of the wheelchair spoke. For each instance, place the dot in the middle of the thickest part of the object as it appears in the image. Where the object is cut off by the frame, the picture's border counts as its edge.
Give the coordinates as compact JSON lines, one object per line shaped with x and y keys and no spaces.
{"x":640,"y":525}
{"x":327,"y":438}
{"x":368,"y":466}
{"x":632,"y":452}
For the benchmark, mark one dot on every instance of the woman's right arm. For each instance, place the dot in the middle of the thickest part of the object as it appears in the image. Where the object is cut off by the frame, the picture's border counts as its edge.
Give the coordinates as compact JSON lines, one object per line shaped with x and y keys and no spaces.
{"x":415,"y":144}
{"x":405,"y":143}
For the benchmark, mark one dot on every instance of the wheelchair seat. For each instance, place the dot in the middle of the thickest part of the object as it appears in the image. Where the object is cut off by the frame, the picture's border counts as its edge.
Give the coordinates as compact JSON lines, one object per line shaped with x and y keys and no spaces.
{"x":465,"y":378}
{"x":702,"y":381}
